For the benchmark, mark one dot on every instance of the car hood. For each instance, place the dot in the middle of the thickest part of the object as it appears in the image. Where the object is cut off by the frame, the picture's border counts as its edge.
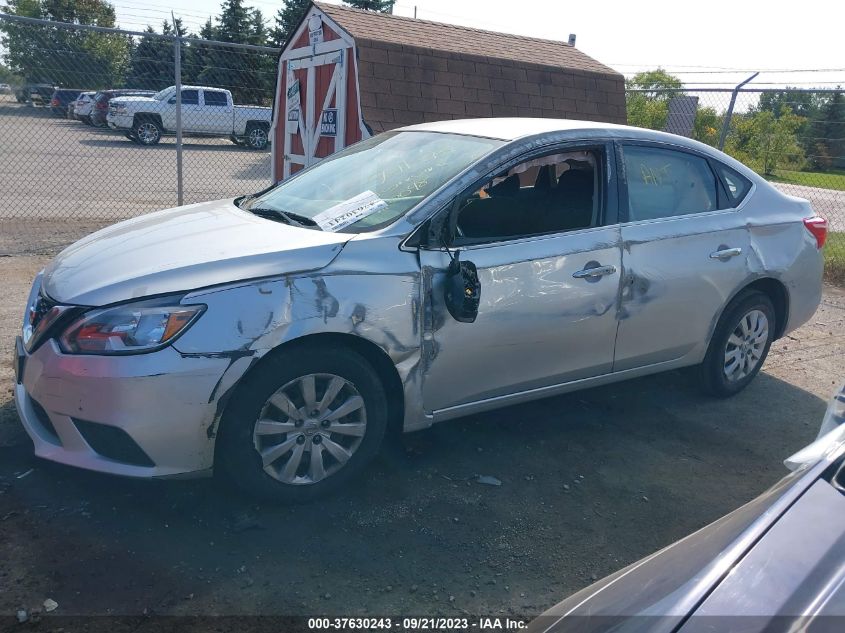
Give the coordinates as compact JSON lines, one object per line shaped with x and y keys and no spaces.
{"x":183,"y":249}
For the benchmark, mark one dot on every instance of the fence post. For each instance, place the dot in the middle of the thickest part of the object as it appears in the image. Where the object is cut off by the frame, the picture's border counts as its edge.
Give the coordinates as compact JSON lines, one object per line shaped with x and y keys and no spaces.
{"x":726,"y":125}
{"x":177,"y":58}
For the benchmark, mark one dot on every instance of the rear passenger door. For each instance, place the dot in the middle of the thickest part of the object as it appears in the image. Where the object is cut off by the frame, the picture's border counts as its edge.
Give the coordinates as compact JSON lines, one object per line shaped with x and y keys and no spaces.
{"x":216,"y":115}
{"x":543,"y":236}
{"x":685,"y":250}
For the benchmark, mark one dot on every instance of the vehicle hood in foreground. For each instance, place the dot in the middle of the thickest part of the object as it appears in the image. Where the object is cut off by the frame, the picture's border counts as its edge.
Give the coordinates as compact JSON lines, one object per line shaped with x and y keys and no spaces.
{"x":183,"y":249}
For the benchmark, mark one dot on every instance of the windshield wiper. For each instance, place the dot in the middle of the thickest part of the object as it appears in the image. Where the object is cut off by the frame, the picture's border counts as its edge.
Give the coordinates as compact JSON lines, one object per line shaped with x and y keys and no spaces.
{"x":287,"y":217}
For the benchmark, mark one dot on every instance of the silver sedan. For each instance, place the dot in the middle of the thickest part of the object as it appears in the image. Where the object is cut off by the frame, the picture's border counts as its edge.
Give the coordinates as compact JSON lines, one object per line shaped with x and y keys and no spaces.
{"x":420,"y":275}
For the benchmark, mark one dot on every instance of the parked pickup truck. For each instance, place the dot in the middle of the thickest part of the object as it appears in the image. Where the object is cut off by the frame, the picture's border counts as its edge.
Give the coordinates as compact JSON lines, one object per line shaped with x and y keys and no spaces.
{"x":205,"y":112}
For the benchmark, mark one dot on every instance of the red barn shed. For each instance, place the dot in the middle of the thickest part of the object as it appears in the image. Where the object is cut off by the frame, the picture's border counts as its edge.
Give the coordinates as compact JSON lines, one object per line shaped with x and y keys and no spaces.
{"x":347,"y":74}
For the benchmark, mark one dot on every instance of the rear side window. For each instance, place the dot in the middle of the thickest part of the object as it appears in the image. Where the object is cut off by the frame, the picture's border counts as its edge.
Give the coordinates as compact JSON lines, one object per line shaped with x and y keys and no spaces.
{"x":214,"y":98}
{"x":190,"y":97}
{"x":736,"y":186}
{"x":664,"y":183}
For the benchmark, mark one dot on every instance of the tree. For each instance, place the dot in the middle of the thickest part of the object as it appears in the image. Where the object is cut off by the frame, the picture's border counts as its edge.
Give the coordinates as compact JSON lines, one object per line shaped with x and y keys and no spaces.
{"x":152,"y":64}
{"x":831,"y":127}
{"x":65,"y":57}
{"x":647,"y":96}
{"x":287,"y":19}
{"x":707,"y":126}
{"x":243,"y":72}
{"x":382,"y":6}
{"x":766,"y":142}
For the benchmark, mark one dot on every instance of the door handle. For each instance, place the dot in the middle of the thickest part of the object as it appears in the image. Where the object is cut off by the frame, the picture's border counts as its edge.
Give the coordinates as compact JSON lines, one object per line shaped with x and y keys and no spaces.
{"x":592,"y":273}
{"x":725,"y":253}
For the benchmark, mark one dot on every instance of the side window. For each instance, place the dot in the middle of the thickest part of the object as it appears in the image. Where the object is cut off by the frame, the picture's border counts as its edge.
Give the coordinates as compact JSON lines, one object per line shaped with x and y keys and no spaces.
{"x":663,"y":183}
{"x":736,"y":186}
{"x":215,"y":98}
{"x":190,"y":97}
{"x":550,"y":194}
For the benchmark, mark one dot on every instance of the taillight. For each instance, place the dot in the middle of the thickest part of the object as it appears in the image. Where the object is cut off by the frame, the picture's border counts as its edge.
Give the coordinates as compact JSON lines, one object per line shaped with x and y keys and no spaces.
{"x":817,"y":225}
{"x":102,"y":105}
{"x":54,"y":102}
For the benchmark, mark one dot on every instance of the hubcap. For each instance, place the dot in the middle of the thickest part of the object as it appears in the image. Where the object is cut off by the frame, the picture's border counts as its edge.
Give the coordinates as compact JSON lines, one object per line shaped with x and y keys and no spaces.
{"x":746,"y":345}
{"x":147,"y":132}
{"x":257,"y":137}
{"x":310,"y":428}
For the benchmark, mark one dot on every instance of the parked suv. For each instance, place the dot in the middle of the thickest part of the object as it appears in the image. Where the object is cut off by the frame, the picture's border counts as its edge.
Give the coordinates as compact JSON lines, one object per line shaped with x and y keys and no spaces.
{"x":81,"y":108}
{"x":61,"y":99}
{"x":38,"y":94}
{"x":205,"y":112}
{"x":101,"y":103}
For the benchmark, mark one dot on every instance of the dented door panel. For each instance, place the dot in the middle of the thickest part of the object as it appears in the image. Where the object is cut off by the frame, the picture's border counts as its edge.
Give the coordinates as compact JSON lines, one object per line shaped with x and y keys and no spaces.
{"x":675,"y":284}
{"x":538,"y":323}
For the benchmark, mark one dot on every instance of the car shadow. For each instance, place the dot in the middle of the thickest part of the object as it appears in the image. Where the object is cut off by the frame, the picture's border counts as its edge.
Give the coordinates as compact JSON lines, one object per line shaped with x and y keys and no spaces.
{"x":587,"y":482}
{"x":109,"y":139}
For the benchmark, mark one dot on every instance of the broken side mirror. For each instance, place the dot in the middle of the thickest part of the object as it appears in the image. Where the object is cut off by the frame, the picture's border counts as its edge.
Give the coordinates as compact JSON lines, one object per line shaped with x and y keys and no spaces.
{"x":462,"y":290}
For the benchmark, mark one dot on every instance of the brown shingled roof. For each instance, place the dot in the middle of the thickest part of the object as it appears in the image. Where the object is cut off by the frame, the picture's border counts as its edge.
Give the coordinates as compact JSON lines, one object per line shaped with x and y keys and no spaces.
{"x":382,"y":27}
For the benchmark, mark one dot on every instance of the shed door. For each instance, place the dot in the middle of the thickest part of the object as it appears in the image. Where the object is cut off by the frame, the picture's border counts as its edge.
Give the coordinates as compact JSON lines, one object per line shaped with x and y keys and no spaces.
{"x":315,"y":113}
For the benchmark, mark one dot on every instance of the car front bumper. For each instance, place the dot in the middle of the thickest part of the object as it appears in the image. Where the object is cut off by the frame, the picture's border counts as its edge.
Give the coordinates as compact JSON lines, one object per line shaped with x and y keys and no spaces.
{"x":119,"y":121}
{"x":144,"y":415}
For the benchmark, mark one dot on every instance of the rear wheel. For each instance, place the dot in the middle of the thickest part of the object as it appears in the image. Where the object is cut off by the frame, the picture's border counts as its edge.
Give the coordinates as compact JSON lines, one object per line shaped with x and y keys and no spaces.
{"x":147,"y":131}
{"x":739,"y":345}
{"x":257,"y":136}
{"x":303,"y":425}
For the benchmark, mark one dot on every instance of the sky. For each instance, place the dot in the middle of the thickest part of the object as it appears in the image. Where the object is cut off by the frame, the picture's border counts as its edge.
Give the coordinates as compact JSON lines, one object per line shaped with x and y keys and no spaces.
{"x":708,"y":44}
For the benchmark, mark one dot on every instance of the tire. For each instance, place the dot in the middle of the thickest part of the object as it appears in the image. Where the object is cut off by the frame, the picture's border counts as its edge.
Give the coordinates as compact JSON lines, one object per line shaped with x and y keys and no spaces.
{"x":131,"y":136}
{"x":745,"y":332}
{"x":147,"y":131}
{"x":281,"y":476}
{"x":257,"y":136}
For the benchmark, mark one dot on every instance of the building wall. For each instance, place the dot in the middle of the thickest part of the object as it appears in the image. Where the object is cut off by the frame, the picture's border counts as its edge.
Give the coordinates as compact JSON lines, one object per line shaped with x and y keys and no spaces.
{"x":401,"y":85}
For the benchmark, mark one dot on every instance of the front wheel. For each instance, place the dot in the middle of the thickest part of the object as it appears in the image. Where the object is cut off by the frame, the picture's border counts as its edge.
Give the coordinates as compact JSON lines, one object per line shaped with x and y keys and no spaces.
{"x":739,"y":345}
{"x":303,"y":425}
{"x":147,"y":131}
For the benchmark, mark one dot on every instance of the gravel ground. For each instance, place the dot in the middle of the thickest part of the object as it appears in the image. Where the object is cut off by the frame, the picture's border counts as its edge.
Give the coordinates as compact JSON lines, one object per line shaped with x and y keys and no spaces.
{"x":591,"y":481}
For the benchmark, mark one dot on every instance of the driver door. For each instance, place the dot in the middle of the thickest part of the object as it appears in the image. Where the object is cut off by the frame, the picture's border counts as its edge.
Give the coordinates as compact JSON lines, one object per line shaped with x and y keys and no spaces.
{"x":548,"y":253}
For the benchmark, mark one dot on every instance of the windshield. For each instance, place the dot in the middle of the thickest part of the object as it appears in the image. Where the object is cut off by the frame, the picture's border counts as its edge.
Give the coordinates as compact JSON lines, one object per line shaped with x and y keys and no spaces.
{"x":374,"y":182}
{"x":162,"y":94}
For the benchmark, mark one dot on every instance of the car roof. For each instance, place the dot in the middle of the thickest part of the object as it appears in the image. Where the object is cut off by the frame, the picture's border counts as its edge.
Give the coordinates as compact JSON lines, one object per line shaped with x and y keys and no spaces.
{"x":513,"y":128}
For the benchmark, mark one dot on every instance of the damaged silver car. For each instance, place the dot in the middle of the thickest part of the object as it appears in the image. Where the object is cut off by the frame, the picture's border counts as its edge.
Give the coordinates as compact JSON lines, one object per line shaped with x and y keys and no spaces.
{"x":420,"y":275}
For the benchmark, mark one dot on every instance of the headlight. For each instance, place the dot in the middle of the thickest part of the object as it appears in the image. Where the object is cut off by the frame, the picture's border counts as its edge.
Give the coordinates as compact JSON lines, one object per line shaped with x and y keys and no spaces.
{"x":129,"y":329}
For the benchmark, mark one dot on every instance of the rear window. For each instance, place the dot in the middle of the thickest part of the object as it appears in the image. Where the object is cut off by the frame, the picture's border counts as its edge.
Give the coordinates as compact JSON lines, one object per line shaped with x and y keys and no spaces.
{"x":736,"y":185}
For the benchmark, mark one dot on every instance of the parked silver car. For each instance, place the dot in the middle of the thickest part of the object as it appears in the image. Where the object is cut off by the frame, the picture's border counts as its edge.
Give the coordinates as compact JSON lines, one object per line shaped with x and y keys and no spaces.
{"x":423,"y":274}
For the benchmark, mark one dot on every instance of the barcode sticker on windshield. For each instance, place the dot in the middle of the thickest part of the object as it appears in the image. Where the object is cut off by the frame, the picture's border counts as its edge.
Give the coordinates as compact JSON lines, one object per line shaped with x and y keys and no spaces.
{"x":350,"y":211}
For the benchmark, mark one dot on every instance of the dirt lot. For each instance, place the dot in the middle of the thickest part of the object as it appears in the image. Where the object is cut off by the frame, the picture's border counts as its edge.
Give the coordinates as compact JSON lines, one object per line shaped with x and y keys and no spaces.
{"x":590,"y":482}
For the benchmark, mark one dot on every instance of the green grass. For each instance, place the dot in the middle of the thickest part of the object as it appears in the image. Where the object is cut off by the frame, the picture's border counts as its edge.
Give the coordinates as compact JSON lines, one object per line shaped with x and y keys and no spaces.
{"x":834,"y":258}
{"x":825,"y":179}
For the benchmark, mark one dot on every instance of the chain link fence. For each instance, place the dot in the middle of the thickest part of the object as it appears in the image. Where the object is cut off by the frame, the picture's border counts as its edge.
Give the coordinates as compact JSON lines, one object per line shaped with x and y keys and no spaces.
{"x":103,"y":124}
{"x":795,"y":138}
{"x":93,"y":126}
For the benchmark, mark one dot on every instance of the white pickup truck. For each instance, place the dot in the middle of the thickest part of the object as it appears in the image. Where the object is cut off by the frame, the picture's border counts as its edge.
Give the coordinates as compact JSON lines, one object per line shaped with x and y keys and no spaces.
{"x":205,"y":112}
